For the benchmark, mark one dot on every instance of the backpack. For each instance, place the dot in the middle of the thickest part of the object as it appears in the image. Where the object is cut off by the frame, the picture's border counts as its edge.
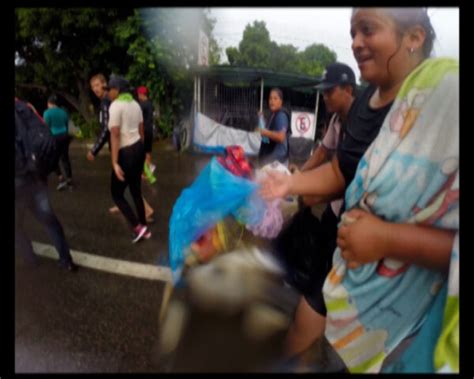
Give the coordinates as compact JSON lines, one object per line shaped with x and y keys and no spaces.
{"x":35,"y":147}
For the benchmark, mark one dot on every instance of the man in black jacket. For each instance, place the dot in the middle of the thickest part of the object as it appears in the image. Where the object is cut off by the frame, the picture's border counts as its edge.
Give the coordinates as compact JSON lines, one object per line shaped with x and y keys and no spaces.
{"x":31,"y":192}
{"x":98,"y":84}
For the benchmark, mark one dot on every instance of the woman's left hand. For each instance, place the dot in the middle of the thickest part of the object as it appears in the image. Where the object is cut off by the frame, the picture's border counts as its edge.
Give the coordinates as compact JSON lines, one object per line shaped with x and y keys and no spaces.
{"x":119,"y":172}
{"x":363,"y":239}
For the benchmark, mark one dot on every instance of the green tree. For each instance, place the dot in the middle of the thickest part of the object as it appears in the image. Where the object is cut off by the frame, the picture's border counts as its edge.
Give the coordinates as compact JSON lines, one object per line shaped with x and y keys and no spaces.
{"x":284,"y":58}
{"x":315,"y":58}
{"x":57,"y":49}
{"x":233,"y":56}
{"x":256,"y":49}
{"x":168,"y":41}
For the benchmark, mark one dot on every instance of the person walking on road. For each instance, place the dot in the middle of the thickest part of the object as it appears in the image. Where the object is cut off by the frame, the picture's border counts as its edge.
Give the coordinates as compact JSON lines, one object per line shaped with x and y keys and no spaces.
{"x":31,"y":191}
{"x":128,"y":155}
{"x":147,"y":109}
{"x":98,"y":86}
{"x":57,"y":120}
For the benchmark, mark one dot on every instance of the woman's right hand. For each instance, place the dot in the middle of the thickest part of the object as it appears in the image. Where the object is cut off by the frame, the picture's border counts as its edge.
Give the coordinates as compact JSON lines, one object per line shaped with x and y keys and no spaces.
{"x":275,"y":185}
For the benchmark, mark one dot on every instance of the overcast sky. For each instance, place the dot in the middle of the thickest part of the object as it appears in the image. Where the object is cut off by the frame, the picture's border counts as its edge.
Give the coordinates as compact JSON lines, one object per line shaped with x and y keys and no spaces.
{"x":303,"y":26}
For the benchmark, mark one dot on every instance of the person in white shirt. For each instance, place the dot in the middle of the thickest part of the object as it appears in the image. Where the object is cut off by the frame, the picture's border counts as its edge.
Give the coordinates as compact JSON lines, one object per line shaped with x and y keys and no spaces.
{"x":127,"y":153}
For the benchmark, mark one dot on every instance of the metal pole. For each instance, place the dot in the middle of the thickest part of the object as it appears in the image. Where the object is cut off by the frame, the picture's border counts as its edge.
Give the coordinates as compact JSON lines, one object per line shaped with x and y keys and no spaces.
{"x":261,"y":94}
{"x":316,"y":113}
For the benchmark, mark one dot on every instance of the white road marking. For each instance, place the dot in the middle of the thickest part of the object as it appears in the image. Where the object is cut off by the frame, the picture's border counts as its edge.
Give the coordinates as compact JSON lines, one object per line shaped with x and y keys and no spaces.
{"x":115,"y":266}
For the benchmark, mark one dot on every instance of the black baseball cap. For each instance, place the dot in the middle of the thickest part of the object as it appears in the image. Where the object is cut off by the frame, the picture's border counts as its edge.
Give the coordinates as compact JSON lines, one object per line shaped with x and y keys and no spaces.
{"x":118,"y":82}
{"x":336,"y":74}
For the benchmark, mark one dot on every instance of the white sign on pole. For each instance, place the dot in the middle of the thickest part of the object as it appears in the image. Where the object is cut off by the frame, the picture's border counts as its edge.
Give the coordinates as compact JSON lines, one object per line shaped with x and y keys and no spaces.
{"x":302,"y":125}
{"x":203,"y":51}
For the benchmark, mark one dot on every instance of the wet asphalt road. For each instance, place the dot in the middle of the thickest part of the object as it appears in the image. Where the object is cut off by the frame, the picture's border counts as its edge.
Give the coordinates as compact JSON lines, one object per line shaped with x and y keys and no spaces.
{"x":91,"y":321}
{"x":84,"y":214}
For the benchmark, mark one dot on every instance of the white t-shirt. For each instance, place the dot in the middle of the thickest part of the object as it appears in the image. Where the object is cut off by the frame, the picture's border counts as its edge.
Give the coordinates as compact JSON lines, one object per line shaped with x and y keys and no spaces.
{"x":126,"y":115}
{"x":330,"y":141}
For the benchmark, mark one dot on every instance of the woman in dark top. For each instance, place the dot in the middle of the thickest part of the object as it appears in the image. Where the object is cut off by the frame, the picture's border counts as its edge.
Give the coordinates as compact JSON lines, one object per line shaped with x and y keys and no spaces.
{"x":274,"y":146}
{"x":391,"y":46}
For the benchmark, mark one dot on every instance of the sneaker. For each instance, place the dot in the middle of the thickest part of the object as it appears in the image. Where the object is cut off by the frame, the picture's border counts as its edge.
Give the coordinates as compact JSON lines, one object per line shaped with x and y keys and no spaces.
{"x":61,"y":186}
{"x":147,"y":235}
{"x":140,"y":231}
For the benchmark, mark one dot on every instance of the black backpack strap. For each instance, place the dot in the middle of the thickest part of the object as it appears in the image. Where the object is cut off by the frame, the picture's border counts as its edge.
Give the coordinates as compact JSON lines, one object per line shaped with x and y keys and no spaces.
{"x":21,"y":126}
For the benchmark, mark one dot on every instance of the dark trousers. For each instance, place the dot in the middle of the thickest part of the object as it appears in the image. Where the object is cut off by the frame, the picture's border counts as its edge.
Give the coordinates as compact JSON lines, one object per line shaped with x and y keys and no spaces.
{"x":62,"y":143}
{"x":32,"y":194}
{"x":327,"y":245}
{"x":131,"y":159}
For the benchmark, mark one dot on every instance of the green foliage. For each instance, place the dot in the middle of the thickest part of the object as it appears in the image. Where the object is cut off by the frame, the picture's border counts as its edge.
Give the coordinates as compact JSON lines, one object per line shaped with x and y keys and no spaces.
{"x":87,"y":129}
{"x":256,"y":49}
{"x":166,"y":123}
{"x":232,"y":55}
{"x":59,"y":49}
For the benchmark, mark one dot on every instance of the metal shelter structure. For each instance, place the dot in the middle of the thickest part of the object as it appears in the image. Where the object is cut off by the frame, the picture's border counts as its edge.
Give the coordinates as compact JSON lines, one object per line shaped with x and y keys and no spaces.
{"x":233,"y":95}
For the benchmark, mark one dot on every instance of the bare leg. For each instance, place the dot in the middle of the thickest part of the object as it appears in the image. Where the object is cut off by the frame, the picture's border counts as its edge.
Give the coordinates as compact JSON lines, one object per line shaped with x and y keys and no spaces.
{"x":306,"y":328}
{"x":148,"y":209}
{"x":148,"y":159}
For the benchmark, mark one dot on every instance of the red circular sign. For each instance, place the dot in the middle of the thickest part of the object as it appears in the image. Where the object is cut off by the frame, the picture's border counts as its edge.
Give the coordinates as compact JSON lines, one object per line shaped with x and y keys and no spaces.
{"x":303,"y":124}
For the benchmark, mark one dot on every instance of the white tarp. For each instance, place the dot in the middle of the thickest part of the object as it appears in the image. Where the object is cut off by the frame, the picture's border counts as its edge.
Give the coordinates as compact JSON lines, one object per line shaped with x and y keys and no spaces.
{"x":209,"y":133}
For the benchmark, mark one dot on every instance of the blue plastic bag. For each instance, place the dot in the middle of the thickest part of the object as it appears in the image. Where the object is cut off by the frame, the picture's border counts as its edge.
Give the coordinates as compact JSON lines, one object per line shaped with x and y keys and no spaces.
{"x":214,"y":194}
